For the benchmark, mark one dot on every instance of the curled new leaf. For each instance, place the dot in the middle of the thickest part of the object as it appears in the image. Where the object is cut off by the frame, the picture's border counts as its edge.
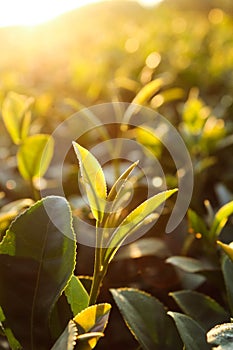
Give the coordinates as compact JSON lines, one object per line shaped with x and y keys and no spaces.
{"x":91,"y":322}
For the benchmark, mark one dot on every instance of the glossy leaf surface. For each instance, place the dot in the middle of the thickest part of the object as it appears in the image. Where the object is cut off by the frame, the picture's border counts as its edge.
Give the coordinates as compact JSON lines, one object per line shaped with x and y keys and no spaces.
{"x":36,"y":261}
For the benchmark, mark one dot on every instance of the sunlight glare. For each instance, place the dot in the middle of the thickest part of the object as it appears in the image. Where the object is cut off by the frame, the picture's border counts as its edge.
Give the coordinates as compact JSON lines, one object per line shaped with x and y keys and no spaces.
{"x":30,"y":13}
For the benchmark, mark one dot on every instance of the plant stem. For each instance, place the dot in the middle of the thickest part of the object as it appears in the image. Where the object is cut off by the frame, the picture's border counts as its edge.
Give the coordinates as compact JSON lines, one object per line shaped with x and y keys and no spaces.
{"x":35,"y":192}
{"x":98,"y":269}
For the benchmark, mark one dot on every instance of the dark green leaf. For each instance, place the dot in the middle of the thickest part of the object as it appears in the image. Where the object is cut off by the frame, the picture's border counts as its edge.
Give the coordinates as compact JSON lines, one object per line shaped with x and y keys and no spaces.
{"x":68,"y":338}
{"x":203,"y":309}
{"x":36,"y":261}
{"x":147,"y":320}
{"x":227,"y":269}
{"x":192,"y":334}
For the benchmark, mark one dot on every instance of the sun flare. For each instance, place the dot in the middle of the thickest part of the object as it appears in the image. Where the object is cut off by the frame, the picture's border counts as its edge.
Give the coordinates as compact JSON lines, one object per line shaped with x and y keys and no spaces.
{"x":31,"y":12}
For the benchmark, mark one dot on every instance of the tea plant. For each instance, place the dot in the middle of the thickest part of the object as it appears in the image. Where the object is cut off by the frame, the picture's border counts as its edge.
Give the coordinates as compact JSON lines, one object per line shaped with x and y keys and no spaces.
{"x":37,"y":264}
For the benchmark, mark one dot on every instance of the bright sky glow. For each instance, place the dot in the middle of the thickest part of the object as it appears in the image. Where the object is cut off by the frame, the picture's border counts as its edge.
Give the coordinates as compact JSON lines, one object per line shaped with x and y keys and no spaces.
{"x":33,"y":12}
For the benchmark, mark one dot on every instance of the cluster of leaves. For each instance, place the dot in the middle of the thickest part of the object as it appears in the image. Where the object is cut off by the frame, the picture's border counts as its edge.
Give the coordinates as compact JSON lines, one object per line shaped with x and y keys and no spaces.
{"x":183,"y":71}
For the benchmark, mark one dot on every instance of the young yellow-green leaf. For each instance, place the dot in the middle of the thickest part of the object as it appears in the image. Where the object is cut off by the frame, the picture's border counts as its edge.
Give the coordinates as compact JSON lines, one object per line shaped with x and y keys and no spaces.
{"x":228,"y":249}
{"x":76,"y":295}
{"x":93,"y":319}
{"x":67,"y":340}
{"x":120,"y":182}
{"x":16,"y":115}
{"x":93,"y":180}
{"x":133,"y":220}
{"x":34,"y":155}
{"x":221,"y":218}
{"x":148,"y":91}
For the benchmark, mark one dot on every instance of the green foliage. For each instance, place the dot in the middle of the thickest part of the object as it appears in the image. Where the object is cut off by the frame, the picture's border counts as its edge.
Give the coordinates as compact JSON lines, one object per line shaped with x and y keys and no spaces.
{"x":133,"y":221}
{"x":91,"y":321}
{"x":93,"y":181}
{"x":192,"y":334}
{"x":73,"y":289}
{"x":147,"y":319}
{"x":156,"y":58}
{"x":67,"y":340}
{"x":17,"y":116}
{"x":34,"y":156}
{"x":33,"y":270}
{"x":207,"y":314}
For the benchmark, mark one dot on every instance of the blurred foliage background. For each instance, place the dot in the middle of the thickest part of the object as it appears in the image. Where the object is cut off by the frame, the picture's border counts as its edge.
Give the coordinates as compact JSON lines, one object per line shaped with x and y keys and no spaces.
{"x":108,"y":52}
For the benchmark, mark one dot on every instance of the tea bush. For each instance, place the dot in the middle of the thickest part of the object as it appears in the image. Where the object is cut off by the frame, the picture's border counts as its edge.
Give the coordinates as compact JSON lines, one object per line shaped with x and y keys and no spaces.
{"x":173,"y":291}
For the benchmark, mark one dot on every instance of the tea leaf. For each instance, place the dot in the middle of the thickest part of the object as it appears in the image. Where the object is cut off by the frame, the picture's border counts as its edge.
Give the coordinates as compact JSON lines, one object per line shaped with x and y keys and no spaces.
{"x":133,"y":221}
{"x":76,"y":295}
{"x":93,"y":180}
{"x":146,"y":318}
{"x":207,"y":314}
{"x":16,"y":115}
{"x":227,"y":269}
{"x":94,"y":319}
{"x":187,"y":264}
{"x":148,"y":91}
{"x":36,"y":261}
{"x":34,"y":155}
{"x":120,"y":182}
{"x":67,"y":340}
{"x":192,"y":334}
{"x":221,"y":218}
{"x":228,"y":249}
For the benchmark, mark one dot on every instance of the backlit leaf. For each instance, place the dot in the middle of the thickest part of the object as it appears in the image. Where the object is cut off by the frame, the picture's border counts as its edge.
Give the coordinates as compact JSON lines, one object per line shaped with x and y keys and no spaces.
{"x":221,"y":218}
{"x":37,"y":258}
{"x":76,"y":295}
{"x":134,"y":220}
{"x":93,"y":180}
{"x":34,"y":156}
{"x":16,"y":115}
{"x":94,"y":319}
